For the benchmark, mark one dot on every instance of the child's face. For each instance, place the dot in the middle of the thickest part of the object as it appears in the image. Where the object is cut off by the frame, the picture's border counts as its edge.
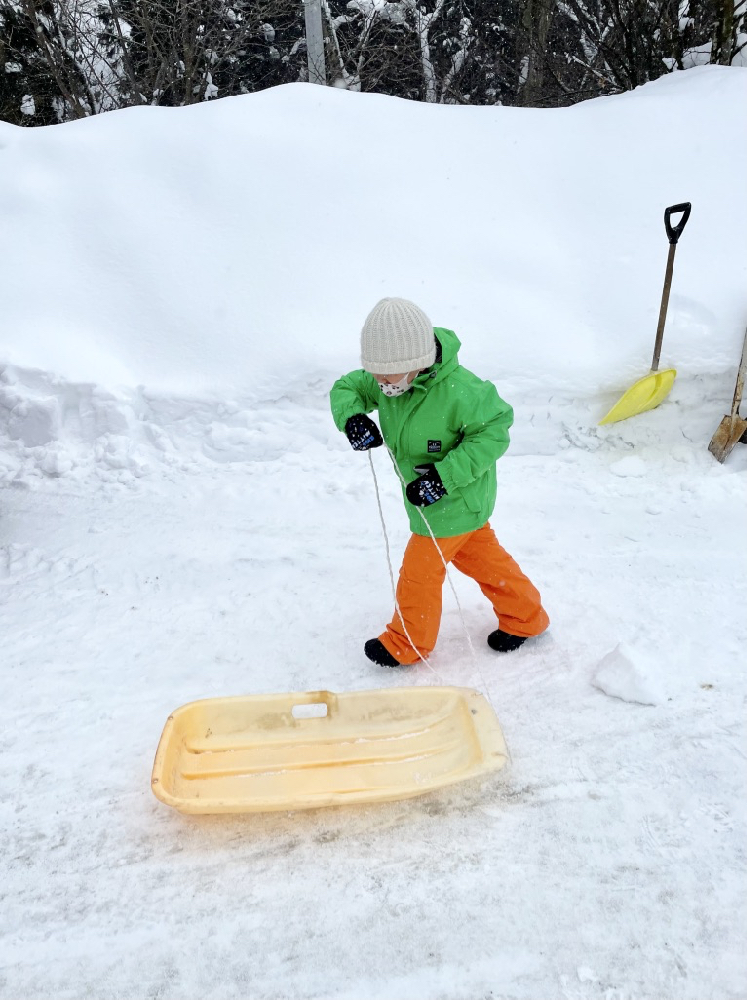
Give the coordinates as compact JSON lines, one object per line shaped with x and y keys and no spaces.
{"x":393,"y":379}
{"x":395,"y":385}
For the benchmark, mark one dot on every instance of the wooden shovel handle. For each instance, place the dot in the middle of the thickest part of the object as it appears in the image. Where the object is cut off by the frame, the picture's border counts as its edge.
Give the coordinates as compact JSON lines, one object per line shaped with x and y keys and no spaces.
{"x":739,"y":388}
{"x":663,"y":309}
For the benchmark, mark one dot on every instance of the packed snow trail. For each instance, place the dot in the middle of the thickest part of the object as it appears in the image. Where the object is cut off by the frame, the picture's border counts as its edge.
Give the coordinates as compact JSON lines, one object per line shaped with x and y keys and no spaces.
{"x":122,"y":602}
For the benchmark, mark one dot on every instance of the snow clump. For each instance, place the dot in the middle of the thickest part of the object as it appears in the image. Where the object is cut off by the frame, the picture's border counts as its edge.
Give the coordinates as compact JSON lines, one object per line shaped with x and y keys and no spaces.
{"x":631,"y":674}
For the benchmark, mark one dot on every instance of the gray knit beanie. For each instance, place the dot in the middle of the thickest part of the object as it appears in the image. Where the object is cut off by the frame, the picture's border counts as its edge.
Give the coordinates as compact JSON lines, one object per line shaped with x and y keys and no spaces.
{"x":397,"y":337}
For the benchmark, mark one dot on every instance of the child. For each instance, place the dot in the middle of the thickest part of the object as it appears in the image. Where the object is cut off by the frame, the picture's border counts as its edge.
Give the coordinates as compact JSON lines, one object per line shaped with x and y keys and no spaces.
{"x":445,"y":428}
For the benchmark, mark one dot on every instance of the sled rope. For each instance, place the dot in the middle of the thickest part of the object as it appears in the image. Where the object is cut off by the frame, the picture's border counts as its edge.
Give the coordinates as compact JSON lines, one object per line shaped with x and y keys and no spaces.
{"x":391,"y":571}
{"x":433,"y":670}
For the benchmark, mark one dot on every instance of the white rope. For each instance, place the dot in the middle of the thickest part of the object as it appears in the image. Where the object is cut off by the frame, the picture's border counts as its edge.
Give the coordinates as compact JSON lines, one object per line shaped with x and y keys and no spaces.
{"x":438,"y":547}
{"x":476,"y":662}
{"x":391,"y":572}
{"x":446,"y":568}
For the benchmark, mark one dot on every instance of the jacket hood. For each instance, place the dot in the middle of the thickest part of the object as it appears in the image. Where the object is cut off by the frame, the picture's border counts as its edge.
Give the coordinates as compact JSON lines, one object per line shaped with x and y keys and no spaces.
{"x":446,"y":358}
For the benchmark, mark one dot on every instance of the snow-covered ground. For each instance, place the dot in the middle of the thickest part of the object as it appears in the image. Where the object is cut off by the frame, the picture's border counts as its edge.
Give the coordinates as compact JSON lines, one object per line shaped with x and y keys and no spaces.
{"x":180,"y":519}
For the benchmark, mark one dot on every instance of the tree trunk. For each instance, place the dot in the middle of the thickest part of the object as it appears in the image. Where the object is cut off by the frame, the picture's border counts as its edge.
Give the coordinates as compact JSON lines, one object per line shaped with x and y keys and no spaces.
{"x":723,"y":30}
{"x":536,"y":21}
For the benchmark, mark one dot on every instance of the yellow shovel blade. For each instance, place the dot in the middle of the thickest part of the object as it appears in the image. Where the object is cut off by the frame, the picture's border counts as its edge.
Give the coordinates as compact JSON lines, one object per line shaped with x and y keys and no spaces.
{"x":645,"y":394}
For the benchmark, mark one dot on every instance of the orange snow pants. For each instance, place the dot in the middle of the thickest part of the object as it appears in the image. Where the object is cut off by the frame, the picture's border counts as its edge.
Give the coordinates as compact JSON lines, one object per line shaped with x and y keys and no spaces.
{"x":477,"y":554}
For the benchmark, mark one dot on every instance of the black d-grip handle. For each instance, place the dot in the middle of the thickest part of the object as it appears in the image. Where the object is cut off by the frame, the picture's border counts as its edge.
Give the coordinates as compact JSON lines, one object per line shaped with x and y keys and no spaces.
{"x":674,"y":232}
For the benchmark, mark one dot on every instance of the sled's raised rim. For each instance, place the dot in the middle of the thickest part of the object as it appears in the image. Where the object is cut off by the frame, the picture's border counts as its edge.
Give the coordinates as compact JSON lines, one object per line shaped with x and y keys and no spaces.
{"x":253,"y":754}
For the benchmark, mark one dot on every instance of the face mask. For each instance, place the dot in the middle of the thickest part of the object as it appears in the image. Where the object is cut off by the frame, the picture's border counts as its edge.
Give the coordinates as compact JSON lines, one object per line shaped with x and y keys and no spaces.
{"x":395,"y":388}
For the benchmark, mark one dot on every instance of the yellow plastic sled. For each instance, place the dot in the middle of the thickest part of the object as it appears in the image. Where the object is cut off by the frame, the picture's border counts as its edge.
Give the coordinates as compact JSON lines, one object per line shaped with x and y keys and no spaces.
{"x":316,"y":748}
{"x":652,"y":389}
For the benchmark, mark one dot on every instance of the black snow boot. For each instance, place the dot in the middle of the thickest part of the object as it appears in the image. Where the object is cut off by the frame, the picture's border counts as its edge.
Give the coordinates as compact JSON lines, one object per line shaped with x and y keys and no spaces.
{"x":376,"y":650}
{"x":503,"y":642}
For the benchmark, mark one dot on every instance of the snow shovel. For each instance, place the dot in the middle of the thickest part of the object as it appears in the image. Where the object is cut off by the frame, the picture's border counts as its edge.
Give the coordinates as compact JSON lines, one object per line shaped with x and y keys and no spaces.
{"x":732,"y":428}
{"x":652,"y":389}
{"x":302,"y":750}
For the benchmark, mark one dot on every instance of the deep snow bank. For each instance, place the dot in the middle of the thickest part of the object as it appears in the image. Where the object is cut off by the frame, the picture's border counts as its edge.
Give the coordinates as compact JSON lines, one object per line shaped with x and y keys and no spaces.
{"x":169,"y":269}
{"x":204,"y":247}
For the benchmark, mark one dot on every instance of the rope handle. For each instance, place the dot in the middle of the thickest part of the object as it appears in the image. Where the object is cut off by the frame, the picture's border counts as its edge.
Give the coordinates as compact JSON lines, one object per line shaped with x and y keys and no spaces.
{"x":448,"y":576}
{"x":391,"y":571}
{"x":446,"y":568}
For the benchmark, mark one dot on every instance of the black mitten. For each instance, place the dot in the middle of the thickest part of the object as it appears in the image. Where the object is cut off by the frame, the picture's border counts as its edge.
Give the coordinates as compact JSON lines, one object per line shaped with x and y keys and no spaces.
{"x":427,"y":489}
{"x":363,"y":433}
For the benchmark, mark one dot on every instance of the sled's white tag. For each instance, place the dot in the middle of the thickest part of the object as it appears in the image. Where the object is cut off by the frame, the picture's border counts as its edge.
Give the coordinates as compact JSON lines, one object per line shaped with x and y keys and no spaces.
{"x":318,"y":710}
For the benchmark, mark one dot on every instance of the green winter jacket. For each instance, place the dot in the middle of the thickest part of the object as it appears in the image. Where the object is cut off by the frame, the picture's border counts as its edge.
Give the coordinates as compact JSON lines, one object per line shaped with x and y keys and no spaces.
{"x":450,"y":418}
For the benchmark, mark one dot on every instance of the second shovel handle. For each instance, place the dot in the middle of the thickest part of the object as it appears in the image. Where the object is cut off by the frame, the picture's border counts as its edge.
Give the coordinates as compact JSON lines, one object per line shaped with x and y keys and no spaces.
{"x":674,"y":232}
{"x":739,"y":387}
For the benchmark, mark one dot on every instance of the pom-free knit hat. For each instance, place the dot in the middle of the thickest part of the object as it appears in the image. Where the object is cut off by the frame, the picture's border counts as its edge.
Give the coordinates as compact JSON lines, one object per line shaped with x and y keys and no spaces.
{"x":397,"y":337}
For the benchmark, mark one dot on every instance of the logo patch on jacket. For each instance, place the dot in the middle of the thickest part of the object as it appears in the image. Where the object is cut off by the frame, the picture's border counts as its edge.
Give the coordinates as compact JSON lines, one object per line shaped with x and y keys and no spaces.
{"x":434,"y":446}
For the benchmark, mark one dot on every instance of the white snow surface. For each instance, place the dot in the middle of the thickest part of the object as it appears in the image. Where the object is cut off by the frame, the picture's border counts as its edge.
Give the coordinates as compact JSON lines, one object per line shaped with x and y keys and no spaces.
{"x":180,"y":519}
